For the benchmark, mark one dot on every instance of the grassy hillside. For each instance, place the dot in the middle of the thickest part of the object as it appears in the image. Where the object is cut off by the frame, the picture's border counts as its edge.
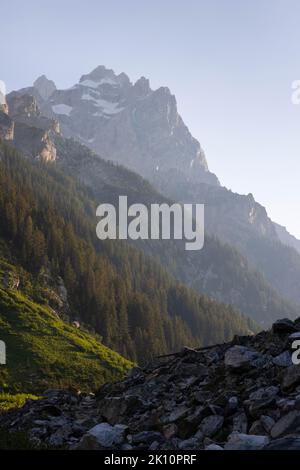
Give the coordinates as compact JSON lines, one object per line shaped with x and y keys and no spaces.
{"x":44,"y":352}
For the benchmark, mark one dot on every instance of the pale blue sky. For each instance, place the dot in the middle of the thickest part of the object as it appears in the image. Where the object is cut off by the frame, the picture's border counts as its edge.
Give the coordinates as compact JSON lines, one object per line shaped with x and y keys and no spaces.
{"x":230,"y":64}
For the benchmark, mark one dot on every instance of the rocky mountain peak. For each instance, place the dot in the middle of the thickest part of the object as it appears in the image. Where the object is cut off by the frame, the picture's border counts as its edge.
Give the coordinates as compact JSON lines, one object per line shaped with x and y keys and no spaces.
{"x":30,"y":131}
{"x":44,"y":86}
{"x":130,"y":124}
{"x":142,"y":86}
{"x":22,"y":105}
{"x":103,"y":76}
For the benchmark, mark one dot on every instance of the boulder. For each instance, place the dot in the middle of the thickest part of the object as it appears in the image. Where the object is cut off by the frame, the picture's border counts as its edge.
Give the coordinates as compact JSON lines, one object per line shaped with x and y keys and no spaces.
{"x":240,"y":422}
{"x":238,"y":441}
{"x":283,"y":360}
{"x":288,"y":424}
{"x":291,"y":377}
{"x":267,"y":423}
{"x":178,"y":413}
{"x":213,"y":447}
{"x":103,"y":436}
{"x":146,"y":437}
{"x":211,"y":425}
{"x":189,"y":444}
{"x":241,"y":357}
{"x":285,"y":443}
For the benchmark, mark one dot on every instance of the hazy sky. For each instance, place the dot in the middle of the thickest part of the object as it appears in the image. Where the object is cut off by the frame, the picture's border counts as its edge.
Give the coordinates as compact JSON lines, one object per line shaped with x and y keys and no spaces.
{"x":230,"y":64}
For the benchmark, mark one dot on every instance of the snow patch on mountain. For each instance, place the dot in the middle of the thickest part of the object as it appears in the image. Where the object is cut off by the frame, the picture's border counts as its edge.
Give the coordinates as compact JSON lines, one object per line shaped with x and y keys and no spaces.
{"x":62,"y":109}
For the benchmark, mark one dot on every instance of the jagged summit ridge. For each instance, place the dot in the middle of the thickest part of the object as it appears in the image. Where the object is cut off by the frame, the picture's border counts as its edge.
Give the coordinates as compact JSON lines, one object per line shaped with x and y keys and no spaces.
{"x":44,"y":86}
{"x":101,"y":75}
{"x":129,"y":123}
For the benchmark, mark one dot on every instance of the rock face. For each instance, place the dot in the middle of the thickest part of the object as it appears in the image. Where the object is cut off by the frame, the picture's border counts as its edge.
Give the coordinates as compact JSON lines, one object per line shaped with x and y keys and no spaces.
{"x":128,"y":123}
{"x":56,"y":293}
{"x":24,"y":109}
{"x":6,"y":123}
{"x":34,"y":142}
{"x":44,"y":86}
{"x":286,"y":238}
{"x":220,"y":397}
{"x":6,"y":126}
{"x":30,"y":132}
{"x":240,"y":357}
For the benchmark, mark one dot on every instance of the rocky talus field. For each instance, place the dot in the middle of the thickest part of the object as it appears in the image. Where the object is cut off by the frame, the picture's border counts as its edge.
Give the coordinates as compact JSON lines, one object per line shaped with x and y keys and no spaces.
{"x":242,"y":395}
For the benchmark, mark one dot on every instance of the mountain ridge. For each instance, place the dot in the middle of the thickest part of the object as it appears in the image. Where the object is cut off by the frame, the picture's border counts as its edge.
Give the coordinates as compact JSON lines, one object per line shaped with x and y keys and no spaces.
{"x":101,"y":97}
{"x":218,"y":270}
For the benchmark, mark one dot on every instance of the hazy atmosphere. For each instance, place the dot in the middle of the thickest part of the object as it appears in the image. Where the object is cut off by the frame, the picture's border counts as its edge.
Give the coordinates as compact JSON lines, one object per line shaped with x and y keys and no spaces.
{"x":230,"y":64}
{"x":149,"y":290}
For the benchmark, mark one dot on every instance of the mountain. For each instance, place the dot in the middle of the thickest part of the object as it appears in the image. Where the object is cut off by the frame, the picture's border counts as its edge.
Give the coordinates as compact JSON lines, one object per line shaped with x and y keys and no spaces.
{"x":242,"y":395}
{"x":127,"y":123}
{"x":244,"y":224}
{"x":286,"y":238}
{"x":218,"y":270}
{"x":44,"y":86}
{"x":141,"y":129}
{"x":136,"y":307}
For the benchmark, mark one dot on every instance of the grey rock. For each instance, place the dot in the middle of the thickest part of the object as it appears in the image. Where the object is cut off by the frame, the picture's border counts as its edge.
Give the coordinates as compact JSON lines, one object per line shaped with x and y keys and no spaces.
{"x":297,"y":402}
{"x":264,"y":393}
{"x":267,"y":423}
{"x":170,"y":430}
{"x":213,"y":447}
{"x":238,"y":441}
{"x":240,"y":357}
{"x":189,"y":444}
{"x":154,"y":445}
{"x":211,"y":425}
{"x":294,"y":336}
{"x":286,"y":405}
{"x":283,"y":360}
{"x":45,"y":87}
{"x":103,"y":436}
{"x":201,"y":396}
{"x":240,"y":423}
{"x":7,"y":127}
{"x":257,"y":428}
{"x":288,"y":424}
{"x":233,"y":403}
{"x":291,"y":377}
{"x":285,"y":443}
{"x":177,"y":414}
{"x":258,"y":407}
{"x":262,"y":399}
{"x":146,"y":437}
